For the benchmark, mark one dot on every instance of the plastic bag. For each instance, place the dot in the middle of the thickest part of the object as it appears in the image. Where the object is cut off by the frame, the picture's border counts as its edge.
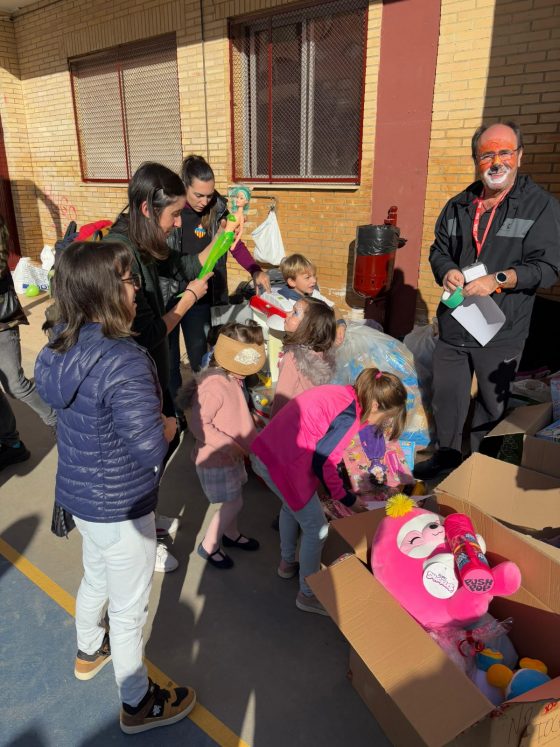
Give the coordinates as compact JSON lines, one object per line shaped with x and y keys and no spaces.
{"x":421,"y":342}
{"x":239,"y":312}
{"x":47,"y":257}
{"x":269,"y":247}
{"x":364,"y":347}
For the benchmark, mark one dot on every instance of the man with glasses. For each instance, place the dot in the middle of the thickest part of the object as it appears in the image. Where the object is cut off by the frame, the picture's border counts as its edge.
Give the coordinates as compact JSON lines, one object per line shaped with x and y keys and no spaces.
{"x":508,"y":228}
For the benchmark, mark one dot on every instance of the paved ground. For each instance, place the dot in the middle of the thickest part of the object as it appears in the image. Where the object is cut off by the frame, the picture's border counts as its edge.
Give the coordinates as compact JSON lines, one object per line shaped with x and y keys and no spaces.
{"x":267,"y":675}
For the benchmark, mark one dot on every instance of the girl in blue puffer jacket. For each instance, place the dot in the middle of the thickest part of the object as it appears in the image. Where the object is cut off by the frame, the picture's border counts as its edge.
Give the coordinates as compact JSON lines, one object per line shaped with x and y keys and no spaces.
{"x":112,"y":439}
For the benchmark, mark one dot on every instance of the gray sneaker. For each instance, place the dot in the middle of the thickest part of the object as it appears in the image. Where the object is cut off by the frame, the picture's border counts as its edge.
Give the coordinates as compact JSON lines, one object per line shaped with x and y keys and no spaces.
{"x":288,"y":570}
{"x":310,"y":604}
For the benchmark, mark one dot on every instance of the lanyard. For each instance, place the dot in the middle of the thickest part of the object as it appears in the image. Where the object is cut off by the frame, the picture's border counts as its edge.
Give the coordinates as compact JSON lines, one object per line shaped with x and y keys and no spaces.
{"x":479,"y":211}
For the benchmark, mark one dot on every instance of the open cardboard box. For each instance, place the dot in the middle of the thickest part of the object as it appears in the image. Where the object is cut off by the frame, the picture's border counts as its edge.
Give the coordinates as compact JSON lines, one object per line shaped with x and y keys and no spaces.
{"x":416,"y":693}
{"x":538,"y":453}
{"x":520,"y":498}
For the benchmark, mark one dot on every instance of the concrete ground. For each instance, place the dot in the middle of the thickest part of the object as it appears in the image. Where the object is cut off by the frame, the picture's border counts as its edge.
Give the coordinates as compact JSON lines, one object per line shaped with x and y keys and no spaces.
{"x":267,"y":675}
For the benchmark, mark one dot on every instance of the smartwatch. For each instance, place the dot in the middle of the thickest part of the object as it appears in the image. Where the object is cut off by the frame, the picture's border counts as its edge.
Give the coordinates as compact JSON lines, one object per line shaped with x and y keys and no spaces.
{"x":501,"y":279}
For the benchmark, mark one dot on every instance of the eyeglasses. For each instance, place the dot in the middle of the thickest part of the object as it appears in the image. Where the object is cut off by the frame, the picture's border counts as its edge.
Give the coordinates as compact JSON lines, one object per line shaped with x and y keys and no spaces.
{"x":134,"y":280}
{"x":503,"y":155}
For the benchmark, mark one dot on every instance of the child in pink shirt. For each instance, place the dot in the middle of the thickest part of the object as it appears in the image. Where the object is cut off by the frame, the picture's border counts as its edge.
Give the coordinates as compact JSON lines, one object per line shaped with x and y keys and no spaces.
{"x":307,"y":358}
{"x":223,"y":430}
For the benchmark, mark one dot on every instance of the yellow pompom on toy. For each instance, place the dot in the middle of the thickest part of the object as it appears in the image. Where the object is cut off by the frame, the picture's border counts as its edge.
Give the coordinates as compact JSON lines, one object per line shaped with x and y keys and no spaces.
{"x":499,"y":675}
{"x":399,"y":505}
{"x":536,"y":664}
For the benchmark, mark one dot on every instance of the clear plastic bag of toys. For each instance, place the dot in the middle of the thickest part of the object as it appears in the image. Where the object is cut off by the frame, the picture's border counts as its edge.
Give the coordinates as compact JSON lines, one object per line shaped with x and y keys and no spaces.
{"x":365,"y":347}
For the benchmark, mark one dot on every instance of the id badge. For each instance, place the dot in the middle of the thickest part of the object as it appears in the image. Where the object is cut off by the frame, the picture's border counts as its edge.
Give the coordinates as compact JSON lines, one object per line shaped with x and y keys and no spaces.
{"x":474,"y":271}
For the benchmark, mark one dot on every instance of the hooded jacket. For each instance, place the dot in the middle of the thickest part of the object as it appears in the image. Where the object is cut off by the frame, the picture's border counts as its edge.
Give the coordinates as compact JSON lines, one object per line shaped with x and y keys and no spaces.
{"x":524,"y":236}
{"x":301,"y":368}
{"x":109,"y":432}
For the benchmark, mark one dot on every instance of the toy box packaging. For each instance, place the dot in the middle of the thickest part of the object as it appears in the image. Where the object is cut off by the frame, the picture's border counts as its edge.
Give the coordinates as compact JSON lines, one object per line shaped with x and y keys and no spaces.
{"x":554,"y":383}
{"x":520,"y":428}
{"x":550,"y":433}
{"x":415,"y":692}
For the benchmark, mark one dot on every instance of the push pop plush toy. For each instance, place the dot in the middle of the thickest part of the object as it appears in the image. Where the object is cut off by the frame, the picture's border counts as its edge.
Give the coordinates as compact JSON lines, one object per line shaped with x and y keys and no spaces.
{"x":436,"y":569}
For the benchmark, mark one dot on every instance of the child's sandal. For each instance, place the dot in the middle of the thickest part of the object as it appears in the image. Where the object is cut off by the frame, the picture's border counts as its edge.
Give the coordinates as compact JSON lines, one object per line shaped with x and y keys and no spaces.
{"x":218,"y":558}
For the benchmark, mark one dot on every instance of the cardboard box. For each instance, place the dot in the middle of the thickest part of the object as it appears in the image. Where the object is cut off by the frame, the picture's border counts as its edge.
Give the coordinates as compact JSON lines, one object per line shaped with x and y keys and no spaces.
{"x":538,"y":454}
{"x":522,"y":499}
{"x":417,"y":695}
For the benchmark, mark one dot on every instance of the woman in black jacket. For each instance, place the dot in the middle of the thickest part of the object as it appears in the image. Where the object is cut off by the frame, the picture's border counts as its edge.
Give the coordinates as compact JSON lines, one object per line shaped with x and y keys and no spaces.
{"x":202,"y":217}
{"x":156,"y":197}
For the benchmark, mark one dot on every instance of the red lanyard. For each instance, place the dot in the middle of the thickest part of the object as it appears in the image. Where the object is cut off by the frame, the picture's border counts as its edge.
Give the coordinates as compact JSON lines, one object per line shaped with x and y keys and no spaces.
{"x":479,"y":211}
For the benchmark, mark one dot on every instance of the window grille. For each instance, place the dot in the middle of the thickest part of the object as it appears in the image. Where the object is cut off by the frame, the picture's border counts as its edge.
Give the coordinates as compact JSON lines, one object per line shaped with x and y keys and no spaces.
{"x":126,"y":103}
{"x":297,"y":88}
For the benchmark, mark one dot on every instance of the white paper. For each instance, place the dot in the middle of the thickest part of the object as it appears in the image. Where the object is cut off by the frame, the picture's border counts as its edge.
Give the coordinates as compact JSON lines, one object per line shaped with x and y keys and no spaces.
{"x":481,"y":317}
{"x":478,"y":270}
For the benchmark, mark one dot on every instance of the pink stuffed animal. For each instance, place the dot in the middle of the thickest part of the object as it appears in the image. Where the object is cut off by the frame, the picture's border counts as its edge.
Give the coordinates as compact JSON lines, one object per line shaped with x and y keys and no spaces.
{"x":413,"y":560}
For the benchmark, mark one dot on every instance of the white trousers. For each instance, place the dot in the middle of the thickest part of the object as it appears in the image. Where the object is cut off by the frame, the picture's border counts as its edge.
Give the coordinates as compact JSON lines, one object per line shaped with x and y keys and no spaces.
{"x":119,"y":560}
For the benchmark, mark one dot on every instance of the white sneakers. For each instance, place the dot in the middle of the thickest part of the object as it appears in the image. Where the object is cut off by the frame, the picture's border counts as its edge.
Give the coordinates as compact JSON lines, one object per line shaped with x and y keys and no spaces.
{"x":165,"y":562}
{"x":166,"y":525}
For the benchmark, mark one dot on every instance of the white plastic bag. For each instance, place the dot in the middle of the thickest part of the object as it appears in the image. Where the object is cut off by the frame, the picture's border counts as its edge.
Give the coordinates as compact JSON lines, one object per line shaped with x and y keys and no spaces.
{"x":47,"y":257}
{"x":21,"y":274}
{"x":269,"y":247}
{"x":28,"y":274}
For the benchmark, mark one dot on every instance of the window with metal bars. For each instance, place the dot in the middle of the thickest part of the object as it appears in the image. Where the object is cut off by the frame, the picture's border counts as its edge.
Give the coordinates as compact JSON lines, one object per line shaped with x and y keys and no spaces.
{"x":297,"y":91}
{"x":126,"y":104}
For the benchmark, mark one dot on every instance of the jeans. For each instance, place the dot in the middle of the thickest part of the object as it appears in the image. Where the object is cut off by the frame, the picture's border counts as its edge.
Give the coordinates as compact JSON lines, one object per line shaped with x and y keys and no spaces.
{"x":119,"y":560}
{"x":195,"y":325}
{"x":314,"y":530}
{"x":9,"y":435}
{"x":17,"y":385}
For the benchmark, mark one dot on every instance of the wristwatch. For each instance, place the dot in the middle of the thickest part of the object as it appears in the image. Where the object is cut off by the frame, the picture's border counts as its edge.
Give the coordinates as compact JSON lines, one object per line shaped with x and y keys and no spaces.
{"x":501,"y":279}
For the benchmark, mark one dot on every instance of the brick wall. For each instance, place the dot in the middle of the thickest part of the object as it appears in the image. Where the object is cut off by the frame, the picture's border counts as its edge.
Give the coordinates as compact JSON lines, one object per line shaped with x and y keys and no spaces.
{"x":321,"y":223}
{"x":12,"y":112}
{"x":497,"y":59}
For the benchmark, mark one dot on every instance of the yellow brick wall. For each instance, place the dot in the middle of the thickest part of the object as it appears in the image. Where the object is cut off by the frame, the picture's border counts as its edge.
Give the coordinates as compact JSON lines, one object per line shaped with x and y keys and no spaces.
{"x":12,"y":114}
{"x":497,"y":59}
{"x":319,"y":223}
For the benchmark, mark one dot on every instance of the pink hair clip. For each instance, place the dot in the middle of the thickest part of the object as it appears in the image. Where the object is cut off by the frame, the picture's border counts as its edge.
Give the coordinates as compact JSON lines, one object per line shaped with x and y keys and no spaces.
{"x":378,"y":375}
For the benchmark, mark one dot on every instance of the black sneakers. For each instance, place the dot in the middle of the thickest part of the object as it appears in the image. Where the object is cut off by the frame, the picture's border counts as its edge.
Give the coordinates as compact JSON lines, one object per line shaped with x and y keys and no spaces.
{"x":444,"y":460}
{"x":88,"y":665}
{"x":13,"y":454}
{"x":159,"y":707}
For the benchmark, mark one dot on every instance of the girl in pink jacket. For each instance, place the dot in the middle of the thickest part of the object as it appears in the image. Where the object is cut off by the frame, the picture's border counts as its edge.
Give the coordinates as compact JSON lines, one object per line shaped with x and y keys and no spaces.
{"x":302,"y":447}
{"x":223,"y":430}
{"x":307,"y":358}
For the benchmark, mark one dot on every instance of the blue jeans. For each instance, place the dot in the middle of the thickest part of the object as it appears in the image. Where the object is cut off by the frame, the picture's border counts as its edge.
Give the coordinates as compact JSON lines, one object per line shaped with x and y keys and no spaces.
{"x":119,"y":559}
{"x":195,"y":325}
{"x":314,"y":530}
